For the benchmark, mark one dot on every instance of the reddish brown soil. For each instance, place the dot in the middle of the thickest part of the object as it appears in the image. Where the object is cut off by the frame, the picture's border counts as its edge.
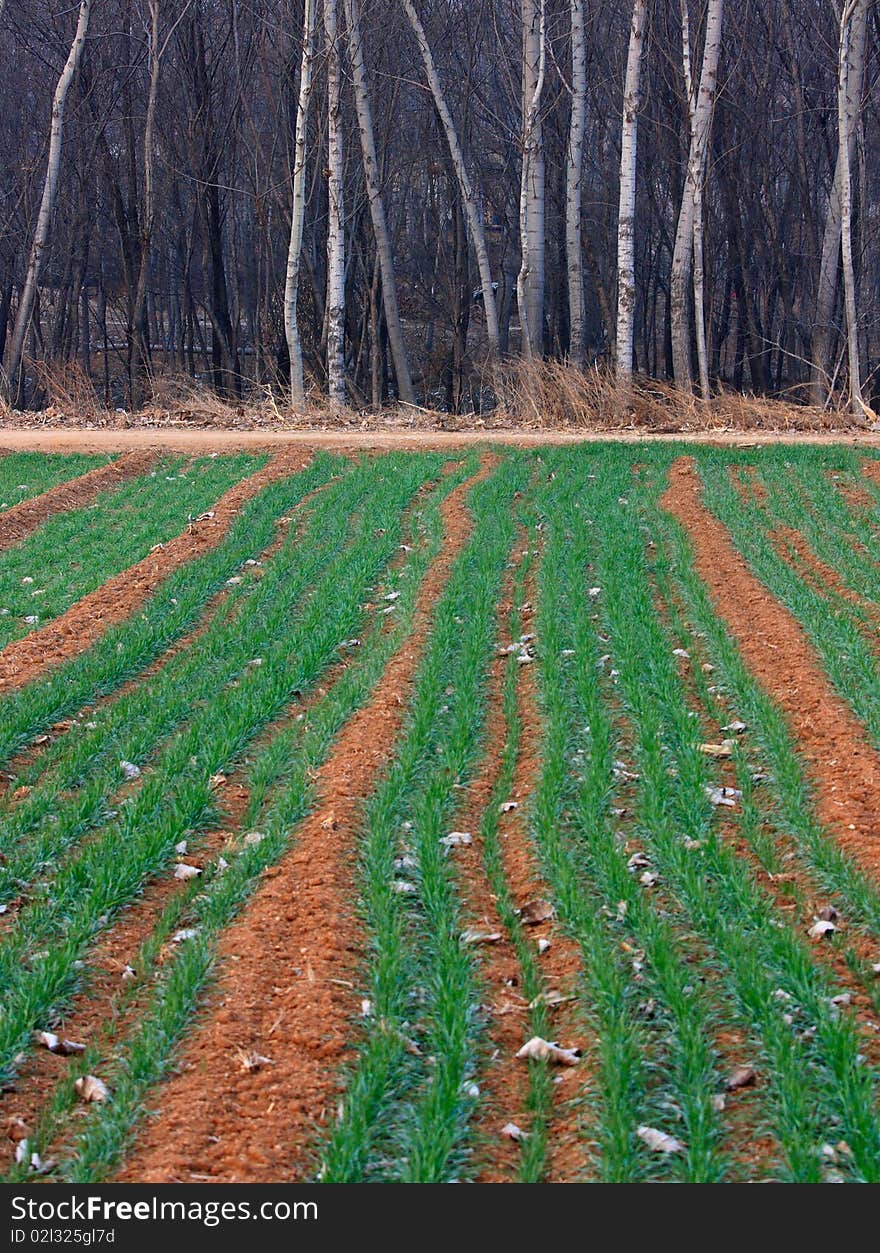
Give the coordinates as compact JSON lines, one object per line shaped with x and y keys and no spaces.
{"x":505,"y":1080}
{"x":99,"y":1015}
{"x":21,"y":520}
{"x":796,"y":550}
{"x":844,"y":768}
{"x":291,"y":962}
{"x":120,"y":597}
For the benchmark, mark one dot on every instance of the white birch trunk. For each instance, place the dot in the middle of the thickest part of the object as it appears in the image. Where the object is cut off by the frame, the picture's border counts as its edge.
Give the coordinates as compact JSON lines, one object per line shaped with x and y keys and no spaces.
{"x":826,"y":291}
{"x":683,"y":254}
{"x":847,"y":112}
{"x":699,"y":294}
{"x":335,"y":225}
{"x":297,"y":217}
{"x":626,"y":270}
{"x":47,"y":204}
{"x":471,"y":207}
{"x":530,"y":283}
{"x":377,"y":207}
{"x":573,"y":182}
{"x":139,"y":345}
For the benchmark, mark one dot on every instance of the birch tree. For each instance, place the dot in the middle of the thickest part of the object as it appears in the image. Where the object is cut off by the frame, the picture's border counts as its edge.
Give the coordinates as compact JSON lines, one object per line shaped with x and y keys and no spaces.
{"x":472,"y":209}
{"x":826,"y":291}
{"x":626,"y":217}
{"x":297,"y":217}
{"x":700,"y":109}
{"x":47,"y":203}
{"x":377,"y":207}
{"x":848,"y":103}
{"x":530,"y":282}
{"x":573,"y":185}
{"x":335,"y":223}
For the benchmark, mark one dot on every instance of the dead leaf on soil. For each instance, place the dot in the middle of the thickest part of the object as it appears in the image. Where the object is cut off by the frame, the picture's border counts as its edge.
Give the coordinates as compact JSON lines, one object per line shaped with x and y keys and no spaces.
{"x":741,"y":1077}
{"x":91,"y":1088}
{"x":540,"y":1050}
{"x":63,"y":1048}
{"x":723,"y":795}
{"x":456,"y":838}
{"x":512,"y":1132}
{"x":718,"y":751}
{"x":536,"y":911}
{"x":550,"y":998}
{"x":474,"y":936}
{"x":659,"y":1141}
{"x":184,"y":871}
{"x":253,"y":1061}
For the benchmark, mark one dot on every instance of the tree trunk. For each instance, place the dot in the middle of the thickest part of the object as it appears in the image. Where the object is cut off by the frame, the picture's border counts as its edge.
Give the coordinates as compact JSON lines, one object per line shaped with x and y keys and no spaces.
{"x":573,"y":182}
{"x":530,"y":284}
{"x":335,"y":223}
{"x":47,"y":204}
{"x":826,"y":291}
{"x":626,"y":274}
{"x":847,"y":116}
{"x":471,"y":207}
{"x":377,"y":207}
{"x":140,"y":346}
{"x":297,"y":217}
{"x":700,"y":111}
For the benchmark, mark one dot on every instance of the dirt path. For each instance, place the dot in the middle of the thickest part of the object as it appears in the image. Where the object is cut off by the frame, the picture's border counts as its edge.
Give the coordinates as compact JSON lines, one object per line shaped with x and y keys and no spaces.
{"x":87,"y":620}
{"x":358,"y":439}
{"x":843,"y":766}
{"x":21,"y":520}
{"x":291,"y":962}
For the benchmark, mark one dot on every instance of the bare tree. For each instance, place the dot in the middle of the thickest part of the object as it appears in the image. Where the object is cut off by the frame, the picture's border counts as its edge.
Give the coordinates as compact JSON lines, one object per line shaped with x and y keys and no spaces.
{"x":377,"y":207}
{"x":826,"y":291}
{"x":574,"y":185}
{"x":532,"y":224}
{"x":626,"y":275}
{"x":297,"y":218}
{"x":848,"y":103}
{"x":47,"y":204}
{"x":700,"y":109}
{"x":471,"y":206}
{"x":336,"y":226}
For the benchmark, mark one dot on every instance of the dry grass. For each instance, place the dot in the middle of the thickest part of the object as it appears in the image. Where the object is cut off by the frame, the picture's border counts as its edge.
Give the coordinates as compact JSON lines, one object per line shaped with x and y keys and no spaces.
{"x":68,"y":388}
{"x":554,"y":395}
{"x":545,"y":395}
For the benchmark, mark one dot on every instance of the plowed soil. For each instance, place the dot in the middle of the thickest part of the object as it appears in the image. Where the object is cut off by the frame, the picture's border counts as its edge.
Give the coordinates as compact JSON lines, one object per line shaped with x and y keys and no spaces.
{"x":290,"y":964}
{"x":120,"y":597}
{"x":21,"y":520}
{"x":844,"y":768}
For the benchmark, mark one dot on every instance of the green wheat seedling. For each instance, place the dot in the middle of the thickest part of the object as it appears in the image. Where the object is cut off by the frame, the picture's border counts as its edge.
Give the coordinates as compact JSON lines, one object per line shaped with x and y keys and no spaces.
{"x":574,"y":684}
{"x":850,"y":662}
{"x":402,"y":1117}
{"x":210,"y":905}
{"x":133,"y":728}
{"x":24,"y":475}
{"x":125,"y":650}
{"x":177,"y":796}
{"x":736,"y":917}
{"x":75,"y":552}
